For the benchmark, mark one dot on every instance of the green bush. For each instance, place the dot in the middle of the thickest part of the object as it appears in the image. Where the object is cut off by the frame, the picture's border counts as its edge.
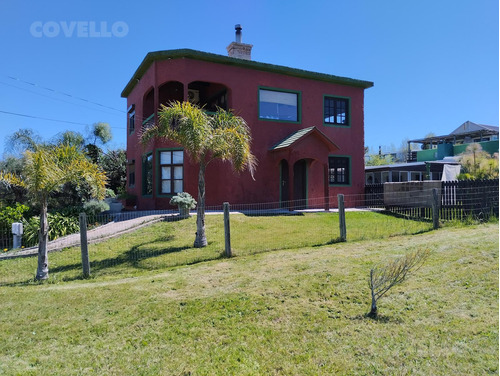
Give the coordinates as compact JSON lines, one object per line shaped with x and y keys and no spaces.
{"x":94,"y":207}
{"x":183,"y":200}
{"x":11,"y":214}
{"x":59,"y":225}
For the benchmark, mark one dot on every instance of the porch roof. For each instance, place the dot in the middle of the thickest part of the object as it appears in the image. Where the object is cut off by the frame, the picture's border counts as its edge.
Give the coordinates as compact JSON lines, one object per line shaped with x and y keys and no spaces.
{"x":295,"y":137}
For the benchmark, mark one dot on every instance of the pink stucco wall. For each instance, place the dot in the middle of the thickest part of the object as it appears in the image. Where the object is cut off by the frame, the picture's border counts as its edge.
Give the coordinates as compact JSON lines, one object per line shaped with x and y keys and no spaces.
{"x":222,"y":184}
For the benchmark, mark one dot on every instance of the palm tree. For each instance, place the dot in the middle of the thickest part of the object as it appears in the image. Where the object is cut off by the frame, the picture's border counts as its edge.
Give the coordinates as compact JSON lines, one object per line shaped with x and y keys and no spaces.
{"x":47,"y":168}
{"x":222,"y":135}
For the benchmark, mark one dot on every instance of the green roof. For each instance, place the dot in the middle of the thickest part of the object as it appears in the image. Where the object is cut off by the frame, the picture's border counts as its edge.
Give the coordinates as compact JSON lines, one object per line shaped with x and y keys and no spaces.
{"x":295,"y":136}
{"x":249,"y":64}
{"x":292,"y":138}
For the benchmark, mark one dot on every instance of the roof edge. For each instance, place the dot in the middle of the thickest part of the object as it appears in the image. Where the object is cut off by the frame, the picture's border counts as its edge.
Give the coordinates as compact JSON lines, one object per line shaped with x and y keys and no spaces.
{"x":250,"y":64}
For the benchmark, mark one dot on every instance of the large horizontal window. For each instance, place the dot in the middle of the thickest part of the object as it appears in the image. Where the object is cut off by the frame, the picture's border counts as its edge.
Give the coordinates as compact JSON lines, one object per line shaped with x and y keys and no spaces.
{"x":339,"y":170}
{"x":279,"y":105}
{"x":171,"y":171}
{"x":336,"y":111}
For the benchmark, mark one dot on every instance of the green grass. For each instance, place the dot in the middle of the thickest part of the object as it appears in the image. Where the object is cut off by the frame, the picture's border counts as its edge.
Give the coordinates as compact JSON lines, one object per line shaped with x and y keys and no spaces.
{"x":169,"y":244}
{"x":298,"y":311}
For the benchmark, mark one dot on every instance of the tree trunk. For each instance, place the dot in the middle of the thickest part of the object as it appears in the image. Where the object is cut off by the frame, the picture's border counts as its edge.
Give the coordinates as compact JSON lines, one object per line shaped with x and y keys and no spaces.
{"x":373,"y":311}
{"x":201,"y":239}
{"x":43,"y":238}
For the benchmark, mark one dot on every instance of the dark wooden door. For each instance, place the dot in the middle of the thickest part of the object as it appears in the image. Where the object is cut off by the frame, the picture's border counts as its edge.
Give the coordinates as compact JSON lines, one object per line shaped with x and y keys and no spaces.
{"x":300,"y":183}
{"x":285,"y":181}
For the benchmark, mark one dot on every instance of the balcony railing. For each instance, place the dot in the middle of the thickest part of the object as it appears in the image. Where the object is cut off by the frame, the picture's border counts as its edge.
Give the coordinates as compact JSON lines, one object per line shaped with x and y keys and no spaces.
{"x":148,"y":122}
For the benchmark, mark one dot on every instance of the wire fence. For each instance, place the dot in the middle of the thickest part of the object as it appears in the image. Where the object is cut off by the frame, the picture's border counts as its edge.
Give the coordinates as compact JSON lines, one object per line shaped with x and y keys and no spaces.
{"x":162,"y":238}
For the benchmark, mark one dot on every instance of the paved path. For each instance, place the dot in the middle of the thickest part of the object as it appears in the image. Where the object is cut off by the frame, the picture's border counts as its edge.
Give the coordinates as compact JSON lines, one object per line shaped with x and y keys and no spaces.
{"x":95,"y":235}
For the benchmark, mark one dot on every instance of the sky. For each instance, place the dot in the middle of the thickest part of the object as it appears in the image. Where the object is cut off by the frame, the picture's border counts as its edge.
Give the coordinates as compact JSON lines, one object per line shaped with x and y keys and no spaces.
{"x":434,"y":64}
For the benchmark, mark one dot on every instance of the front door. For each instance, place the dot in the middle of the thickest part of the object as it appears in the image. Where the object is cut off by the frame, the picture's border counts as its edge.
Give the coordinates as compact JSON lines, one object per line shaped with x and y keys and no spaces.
{"x":300,"y":184}
{"x":285,"y":182}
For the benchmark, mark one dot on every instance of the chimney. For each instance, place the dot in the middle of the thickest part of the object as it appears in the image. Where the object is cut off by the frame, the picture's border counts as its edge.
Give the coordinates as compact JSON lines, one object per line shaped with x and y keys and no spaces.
{"x":237,"y":49}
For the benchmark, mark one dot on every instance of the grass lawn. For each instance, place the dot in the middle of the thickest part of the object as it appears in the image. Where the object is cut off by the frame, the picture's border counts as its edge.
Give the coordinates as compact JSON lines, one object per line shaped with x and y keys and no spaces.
{"x":156,"y":306}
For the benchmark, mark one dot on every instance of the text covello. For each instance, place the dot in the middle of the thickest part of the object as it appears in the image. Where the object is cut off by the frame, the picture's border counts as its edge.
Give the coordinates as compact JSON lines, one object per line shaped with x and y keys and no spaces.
{"x":79,"y":29}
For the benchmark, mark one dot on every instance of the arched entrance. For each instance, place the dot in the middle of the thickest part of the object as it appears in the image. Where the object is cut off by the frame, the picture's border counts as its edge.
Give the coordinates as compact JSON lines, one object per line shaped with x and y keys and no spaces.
{"x":300,"y":183}
{"x":284,"y":182}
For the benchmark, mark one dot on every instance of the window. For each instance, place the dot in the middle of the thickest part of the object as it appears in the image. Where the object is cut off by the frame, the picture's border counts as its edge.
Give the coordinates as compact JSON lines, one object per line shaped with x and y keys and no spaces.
{"x":131,"y":179}
{"x":131,"y":122}
{"x":131,"y":119}
{"x":336,"y":111}
{"x":339,"y":170}
{"x":147,"y":175}
{"x":171,"y":171}
{"x":279,"y":105}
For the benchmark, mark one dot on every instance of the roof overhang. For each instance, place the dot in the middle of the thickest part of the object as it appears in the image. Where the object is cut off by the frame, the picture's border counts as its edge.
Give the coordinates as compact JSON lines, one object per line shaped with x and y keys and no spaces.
{"x":453,"y":137}
{"x":151,"y":57}
{"x":294,"y":138}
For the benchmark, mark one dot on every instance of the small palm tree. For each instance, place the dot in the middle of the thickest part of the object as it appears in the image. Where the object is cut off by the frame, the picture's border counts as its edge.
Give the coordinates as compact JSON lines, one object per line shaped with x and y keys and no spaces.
{"x":47,"y":169}
{"x":223,"y":136}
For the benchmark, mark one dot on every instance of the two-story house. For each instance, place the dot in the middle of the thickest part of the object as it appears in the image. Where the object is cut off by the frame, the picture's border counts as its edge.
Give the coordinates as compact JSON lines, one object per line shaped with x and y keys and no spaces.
{"x":307,"y":128}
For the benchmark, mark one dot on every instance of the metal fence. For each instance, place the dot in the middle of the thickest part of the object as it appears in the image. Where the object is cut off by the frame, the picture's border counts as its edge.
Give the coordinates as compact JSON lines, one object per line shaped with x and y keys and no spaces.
{"x":459,"y":200}
{"x":318,"y":218}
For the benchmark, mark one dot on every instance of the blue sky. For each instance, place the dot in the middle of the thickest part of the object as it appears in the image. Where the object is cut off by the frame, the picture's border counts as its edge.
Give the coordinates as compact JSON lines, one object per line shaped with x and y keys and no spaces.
{"x":434,"y":63}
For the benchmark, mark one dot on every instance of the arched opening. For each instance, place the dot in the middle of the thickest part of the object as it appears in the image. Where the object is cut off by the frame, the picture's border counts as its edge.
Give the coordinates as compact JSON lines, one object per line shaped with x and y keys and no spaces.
{"x":284,"y":182}
{"x":148,"y":108}
{"x":208,"y":95}
{"x":170,"y":91}
{"x":300,"y":184}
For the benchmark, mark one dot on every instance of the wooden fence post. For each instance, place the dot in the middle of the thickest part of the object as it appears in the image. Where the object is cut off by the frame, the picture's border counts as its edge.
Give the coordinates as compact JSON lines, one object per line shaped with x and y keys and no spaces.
{"x":435,"y":209}
{"x":84,"y":245}
{"x":227,"y":230}
{"x":343,"y":231}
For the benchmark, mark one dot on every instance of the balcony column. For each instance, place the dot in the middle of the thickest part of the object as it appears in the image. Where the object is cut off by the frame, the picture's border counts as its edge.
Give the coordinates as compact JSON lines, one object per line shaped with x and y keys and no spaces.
{"x":185,"y":96}
{"x":156,"y":101}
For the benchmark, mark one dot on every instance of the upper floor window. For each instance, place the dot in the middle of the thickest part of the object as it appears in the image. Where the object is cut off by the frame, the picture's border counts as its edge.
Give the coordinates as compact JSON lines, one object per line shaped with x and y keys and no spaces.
{"x":131,"y":119}
{"x":171,"y":171}
{"x":131,"y":122}
{"x":336,"y":111}
{"x":339,"y":170}
{"x":279,"y":105}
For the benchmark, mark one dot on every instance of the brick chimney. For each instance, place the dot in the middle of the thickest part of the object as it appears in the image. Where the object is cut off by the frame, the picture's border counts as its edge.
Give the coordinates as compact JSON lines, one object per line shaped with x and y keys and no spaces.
{"x":237,"y":49}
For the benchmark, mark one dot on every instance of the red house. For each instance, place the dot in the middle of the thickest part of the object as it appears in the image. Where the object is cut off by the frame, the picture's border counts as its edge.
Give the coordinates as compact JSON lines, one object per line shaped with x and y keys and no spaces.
{"x":307,"y":129}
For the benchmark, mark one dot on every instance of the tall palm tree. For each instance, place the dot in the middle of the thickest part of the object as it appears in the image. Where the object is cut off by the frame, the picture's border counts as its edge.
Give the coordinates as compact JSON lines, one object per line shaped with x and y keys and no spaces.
{"x":222,"y":135}
{"x":47,"y":168}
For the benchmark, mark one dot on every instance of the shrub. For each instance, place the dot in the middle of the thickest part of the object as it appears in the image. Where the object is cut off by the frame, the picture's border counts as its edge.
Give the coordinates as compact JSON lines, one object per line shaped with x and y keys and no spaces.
{"x":183,"y":200}
{"x":59,"y":225}
{"x":94,"y":207}
{"x":11,"y":214}
{"x":386,"y":276}
{"x":110,"y":193}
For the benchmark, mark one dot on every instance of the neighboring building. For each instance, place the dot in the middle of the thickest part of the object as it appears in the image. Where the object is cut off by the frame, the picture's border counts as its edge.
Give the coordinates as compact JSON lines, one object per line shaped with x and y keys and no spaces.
{"x":307,"y":128}
{"x":438,"y":147}
{"x":412,"y":171}
{"x":437,"y":157}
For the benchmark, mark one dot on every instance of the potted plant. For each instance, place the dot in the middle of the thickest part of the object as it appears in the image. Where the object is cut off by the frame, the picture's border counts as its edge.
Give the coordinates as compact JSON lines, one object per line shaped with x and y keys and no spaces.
{"x":184,"y":202}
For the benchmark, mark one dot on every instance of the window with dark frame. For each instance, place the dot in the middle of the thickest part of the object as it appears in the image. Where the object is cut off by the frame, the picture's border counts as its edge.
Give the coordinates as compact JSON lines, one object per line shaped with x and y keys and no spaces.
{"x":147,"y":175}
{"x":171,"y":171}
{"x":131,"y":178}
{"x":338,"y":170}
{"x":131,"y":119}
{"x":336,"y":111}
{"x":131,"y":122}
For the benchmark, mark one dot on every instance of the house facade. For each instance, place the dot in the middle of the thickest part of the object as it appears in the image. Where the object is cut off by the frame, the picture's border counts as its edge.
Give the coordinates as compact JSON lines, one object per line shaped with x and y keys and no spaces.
{"x":307,"y":129}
